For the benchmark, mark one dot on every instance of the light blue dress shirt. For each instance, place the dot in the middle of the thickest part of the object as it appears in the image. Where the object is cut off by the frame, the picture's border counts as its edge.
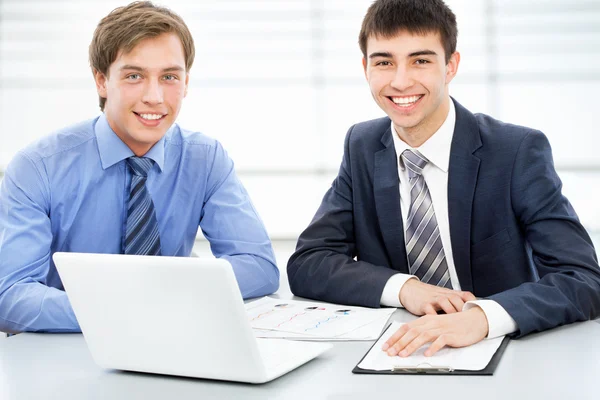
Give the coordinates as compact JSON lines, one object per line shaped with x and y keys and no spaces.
{"x":69,"y":192}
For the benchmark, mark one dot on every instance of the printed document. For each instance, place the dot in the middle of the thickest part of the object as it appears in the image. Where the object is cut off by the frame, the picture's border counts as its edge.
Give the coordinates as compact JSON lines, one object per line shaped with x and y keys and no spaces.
{"x":472,"y":358}
{"x":308,"y":320}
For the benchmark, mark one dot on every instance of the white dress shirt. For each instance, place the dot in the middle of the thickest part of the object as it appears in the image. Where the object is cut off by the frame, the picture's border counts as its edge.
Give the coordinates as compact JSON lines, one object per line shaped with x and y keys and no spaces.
{"x":437,"y":150}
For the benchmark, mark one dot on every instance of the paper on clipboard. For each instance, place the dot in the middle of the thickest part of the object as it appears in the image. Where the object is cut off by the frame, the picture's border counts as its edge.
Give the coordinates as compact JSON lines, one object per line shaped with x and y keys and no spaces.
{"x":472,"y":358}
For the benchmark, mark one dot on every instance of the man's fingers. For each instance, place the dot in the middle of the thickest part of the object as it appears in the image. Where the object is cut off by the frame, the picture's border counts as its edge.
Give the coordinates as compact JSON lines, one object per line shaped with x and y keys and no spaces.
{"x":436,"y":346}
{"x":403,"y":342}
{"x":457,"y":302}
{"x":420,"y":340}
{"x":395,"y":337}
{"x":446,"y":305}
{"x":428,"y":309}
{"x":467,"y":296}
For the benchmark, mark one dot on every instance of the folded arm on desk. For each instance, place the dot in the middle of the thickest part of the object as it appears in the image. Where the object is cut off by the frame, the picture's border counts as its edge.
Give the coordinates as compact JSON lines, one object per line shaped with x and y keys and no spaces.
{"x":568,"y":289}
{"x":235,"y":230}
{"x":499,"y":321}
{"x":26,"y":302}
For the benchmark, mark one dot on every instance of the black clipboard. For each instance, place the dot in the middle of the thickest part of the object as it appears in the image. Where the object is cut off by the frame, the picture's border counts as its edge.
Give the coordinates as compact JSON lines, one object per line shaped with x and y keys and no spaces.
{"x":432,"y":370}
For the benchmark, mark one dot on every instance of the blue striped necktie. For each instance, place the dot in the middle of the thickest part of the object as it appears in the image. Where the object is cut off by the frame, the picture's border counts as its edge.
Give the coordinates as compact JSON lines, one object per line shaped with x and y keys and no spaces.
{"x":141,"y":236}
{"x":426,"y":257}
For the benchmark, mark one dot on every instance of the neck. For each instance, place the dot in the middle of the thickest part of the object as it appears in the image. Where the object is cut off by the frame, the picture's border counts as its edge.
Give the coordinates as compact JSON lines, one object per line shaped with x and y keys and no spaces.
{"x":140,"y":151}
{"x":138,"y":148}
{"x":415,"y":136}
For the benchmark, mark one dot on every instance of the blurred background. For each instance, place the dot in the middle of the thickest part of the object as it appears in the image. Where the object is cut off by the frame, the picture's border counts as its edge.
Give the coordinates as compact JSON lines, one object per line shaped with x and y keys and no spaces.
{"x":280,"y":82}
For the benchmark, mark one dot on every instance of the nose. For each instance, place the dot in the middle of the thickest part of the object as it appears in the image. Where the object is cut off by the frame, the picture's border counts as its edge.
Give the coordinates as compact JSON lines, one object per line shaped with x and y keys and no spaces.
{"x":402,"y":79}
{"x":153,"y":93}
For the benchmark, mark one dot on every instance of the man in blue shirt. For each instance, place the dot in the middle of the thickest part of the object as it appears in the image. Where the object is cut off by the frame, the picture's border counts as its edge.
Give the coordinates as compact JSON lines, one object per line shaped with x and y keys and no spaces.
{"x":130,"y":181}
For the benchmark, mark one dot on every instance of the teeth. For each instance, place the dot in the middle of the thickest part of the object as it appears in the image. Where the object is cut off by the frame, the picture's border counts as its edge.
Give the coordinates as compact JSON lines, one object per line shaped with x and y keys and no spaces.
{"x":151,"y":116}
{"x":405,"y":101}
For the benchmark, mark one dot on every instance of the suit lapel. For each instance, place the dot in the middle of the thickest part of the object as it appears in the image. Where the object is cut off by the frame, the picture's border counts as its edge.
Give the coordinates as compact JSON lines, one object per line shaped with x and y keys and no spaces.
{"x":462,"y":179}
{"x":387,"y":202}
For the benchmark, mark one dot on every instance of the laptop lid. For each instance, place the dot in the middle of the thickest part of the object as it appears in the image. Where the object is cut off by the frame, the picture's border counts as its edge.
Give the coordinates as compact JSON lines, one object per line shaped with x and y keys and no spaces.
{"x":170,"y":315}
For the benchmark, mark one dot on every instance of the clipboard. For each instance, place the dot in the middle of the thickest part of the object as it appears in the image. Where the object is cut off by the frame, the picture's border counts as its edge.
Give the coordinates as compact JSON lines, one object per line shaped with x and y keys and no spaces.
{"x":424,"y":369}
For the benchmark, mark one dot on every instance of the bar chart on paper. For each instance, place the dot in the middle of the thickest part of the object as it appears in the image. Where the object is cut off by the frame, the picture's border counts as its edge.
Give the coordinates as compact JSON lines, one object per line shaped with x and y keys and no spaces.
{"x":315,"y":321}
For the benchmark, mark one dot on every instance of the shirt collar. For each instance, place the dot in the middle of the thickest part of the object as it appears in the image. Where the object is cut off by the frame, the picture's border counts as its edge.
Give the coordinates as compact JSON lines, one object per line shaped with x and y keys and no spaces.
{"x":112,"y":149}
{"x":437,"y":148}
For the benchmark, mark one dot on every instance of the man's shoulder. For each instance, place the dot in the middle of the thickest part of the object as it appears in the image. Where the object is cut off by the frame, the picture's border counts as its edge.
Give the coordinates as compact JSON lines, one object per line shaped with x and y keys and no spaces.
{"x":495,"y":131}
{"x":194,"y":140}
{"x":194,"y":147}
{"x":63,"y":140}
{"x":371,"y":130}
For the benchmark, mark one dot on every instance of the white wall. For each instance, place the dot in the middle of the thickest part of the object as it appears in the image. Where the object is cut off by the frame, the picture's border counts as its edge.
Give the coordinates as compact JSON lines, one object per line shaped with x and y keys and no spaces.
{"x":280,"y":82}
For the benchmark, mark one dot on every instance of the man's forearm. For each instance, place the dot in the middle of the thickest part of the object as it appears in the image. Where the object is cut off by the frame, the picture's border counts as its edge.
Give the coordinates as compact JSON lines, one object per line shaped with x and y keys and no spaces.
{"x":256,"y":276}
{"x":33,"y":307}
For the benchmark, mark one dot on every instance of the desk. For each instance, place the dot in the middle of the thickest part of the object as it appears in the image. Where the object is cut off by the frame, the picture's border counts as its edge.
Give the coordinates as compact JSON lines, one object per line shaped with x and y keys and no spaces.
{"x":559,"y":364}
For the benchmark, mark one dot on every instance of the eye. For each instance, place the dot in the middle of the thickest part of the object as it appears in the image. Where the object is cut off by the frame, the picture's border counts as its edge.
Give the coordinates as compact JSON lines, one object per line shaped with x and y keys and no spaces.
{"x":170,"y":77}
{"x":133,"y":77}
{"x":421,"y":61}
{"x":383,"y":63}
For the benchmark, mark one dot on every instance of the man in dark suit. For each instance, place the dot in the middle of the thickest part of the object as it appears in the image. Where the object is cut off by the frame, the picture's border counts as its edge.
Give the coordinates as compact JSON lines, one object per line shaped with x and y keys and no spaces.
{"x":437,"y":209}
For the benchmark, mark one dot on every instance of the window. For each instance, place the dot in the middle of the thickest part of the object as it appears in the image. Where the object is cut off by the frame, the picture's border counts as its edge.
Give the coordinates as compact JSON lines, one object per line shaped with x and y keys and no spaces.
{"x":280,"y":82}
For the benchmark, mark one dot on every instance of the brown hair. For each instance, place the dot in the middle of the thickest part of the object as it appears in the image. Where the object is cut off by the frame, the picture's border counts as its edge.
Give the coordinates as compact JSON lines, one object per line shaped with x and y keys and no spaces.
{"x":124,"y":27}
{"x":389,"y":17}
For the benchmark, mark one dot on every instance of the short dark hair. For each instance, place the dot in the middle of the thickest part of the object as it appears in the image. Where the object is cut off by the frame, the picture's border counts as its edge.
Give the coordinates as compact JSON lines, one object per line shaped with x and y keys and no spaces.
{"x":387,"y":18}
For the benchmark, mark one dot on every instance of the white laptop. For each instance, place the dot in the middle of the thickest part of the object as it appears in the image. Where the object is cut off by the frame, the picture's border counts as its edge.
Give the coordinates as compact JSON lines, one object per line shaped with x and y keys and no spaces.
{"x":172,"y":315}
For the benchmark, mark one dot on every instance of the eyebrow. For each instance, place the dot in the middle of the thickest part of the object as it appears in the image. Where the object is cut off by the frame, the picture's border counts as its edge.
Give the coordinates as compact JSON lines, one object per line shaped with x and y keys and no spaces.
{"x":380,"y":54}
{"x":175,"y":68}
{"x":423,"y":53}
{"x":386,"y":54}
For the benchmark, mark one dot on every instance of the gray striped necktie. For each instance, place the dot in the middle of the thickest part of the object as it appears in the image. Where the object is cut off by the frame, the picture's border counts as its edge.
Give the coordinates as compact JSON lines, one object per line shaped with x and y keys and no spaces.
{"x":142,"y":236}
{"x":426,"y":257}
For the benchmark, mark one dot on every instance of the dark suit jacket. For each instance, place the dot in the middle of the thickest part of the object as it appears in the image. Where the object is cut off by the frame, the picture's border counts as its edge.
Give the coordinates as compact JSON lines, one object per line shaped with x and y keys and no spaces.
{"x":515,"y":237}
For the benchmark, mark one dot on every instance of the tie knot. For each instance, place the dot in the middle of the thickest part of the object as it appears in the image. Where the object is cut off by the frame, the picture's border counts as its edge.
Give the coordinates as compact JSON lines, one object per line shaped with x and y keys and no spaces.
{"x":140,"y":165}
{"x":414,"y":161}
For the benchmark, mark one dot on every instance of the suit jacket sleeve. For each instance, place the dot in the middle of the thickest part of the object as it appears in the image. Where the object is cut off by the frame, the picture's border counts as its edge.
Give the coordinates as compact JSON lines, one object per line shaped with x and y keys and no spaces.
{"x":324,"y":266}
{"x":562,"y":253}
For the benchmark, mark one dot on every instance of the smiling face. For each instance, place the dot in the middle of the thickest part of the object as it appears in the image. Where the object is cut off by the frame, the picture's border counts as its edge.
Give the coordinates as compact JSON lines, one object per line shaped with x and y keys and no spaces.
{"x":144,"y":90}
{"x":408,"y":77}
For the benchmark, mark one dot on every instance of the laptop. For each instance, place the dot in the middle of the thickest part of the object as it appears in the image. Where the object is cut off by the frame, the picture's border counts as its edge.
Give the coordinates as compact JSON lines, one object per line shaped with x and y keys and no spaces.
{"x":172,"y":315}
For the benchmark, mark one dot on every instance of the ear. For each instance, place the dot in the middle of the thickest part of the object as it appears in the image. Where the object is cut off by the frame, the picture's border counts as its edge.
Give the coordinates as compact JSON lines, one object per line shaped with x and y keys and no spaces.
{"x":452,"y":66}
{"x":187,"y":81}
{"x":100,"y":79}
{"x":364,"y":63}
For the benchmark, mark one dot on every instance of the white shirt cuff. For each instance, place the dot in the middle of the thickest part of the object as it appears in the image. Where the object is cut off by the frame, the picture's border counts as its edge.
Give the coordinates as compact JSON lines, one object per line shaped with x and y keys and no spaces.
{"x":391,"y":292}
{"x":500,"y":322}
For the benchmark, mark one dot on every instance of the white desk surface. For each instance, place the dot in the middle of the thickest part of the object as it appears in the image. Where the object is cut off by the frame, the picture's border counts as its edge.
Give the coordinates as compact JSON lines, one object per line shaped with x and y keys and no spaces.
{"x":563,"y":363}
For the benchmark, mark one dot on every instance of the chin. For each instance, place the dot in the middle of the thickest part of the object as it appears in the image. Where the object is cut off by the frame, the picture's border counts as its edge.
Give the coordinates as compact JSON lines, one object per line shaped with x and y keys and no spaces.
{"x":146,"y":138}
{"x":404,"y":124}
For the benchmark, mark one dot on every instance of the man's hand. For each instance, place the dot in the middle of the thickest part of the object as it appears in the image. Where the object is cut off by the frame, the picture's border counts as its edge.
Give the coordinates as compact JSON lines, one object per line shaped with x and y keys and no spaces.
{"x":454,"y":330}
{"x":421,"y":298}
